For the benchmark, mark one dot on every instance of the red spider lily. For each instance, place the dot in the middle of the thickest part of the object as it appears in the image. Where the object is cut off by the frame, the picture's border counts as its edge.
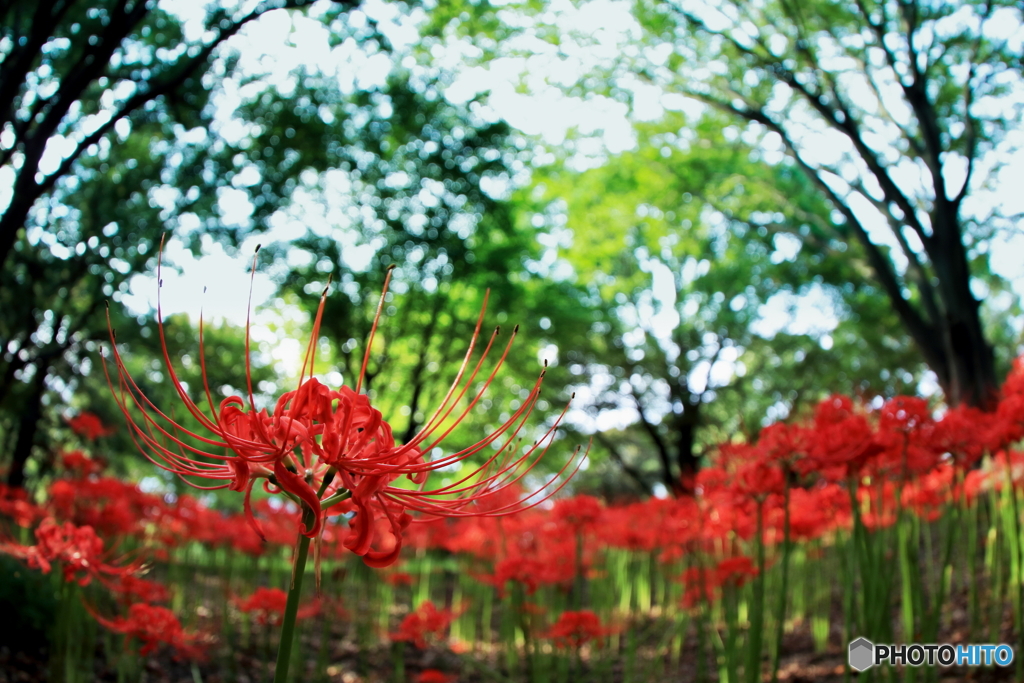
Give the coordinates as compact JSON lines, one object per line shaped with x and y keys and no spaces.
{"x":130,"y":588}
{"x":751,"y":473}
{"x":878,"y":504}
{"x":153,"y":626}
{"x":78,"y":551}
{"x":735,"y":570}
{"x":817,"y":511}
{"x":320,"y":446}
{"x":1010,"y":414}
{"x":113,"y":507}
{"x":966,"y":433}
{"x":841,"y":440}
{"x":427,"y":620}
{"x":531,"y":549}
{"x":906,"y":437}
{"x":579,"y":512}
{"x":14,"y":503}
{"x":928,"y":494}
{"x":398,"y":578}
{"x":620,"y":528}
{"x":528,"y":571}
{"x":702,"y":584}
{"x":576,"y":629}
{"x":79,"y":464}
{"x":267,"y":606}
{"x":783,"y":443}
{"x":88,"y":426}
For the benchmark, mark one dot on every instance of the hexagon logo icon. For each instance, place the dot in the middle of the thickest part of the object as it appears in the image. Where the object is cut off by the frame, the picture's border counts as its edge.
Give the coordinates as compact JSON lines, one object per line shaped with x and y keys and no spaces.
{"x":862,"y":654}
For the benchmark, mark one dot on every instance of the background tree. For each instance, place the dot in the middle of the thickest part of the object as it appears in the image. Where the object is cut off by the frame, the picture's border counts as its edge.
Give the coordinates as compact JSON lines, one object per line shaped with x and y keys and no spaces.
{"x":915,"y":98}
{"x":151,"y":153}
{"x":864,"y":143}
{"x":683,"y":345}
{"x":99,"y":103}
{"x":419,"y":183}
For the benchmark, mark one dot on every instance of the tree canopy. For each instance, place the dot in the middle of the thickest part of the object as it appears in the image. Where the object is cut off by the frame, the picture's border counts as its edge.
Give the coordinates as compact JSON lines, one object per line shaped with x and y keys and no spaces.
{"x":837,"y":158}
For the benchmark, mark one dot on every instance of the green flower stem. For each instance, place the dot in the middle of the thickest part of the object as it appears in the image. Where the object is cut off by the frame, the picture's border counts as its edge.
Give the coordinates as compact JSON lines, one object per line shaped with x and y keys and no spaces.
{"x":780,"y":625}
{"x":974,"y":595}
{"x":755,"y":636}
{"x":335,"y":499}
{"x":1013,"y":535}
{"x":284,"y":649}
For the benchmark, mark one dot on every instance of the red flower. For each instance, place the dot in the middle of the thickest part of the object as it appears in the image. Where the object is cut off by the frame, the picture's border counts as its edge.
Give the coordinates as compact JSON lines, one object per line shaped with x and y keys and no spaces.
{"x":153,"y":626}
{"x":579,"y":512}
{"x":967,"y":433}
{"x":267,"y":606}
{"x":817,"y":511}
{"x":398,"y":578}
{"x":1010,"y":414}
{"x":88,"y":426}
{"x":78,"y":550}
{"x":427,"y":620}
{"x":928,"y":494}
{"x":132,"y":588}
{"x":80,"y":464}
{"x":841,"y":440}
{"x":435,"y":676}
{"x":702,"y":584}
{"x":320,"y":446}
{"x":906,"y":437}
{"x":14,"y":503}
{"x":575,"y":629}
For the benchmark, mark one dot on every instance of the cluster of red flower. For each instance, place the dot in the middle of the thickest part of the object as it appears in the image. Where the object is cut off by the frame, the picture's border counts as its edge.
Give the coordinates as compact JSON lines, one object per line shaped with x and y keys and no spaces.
{"x":331,"y":452}
{"x":899,"y":457}
{"x":88,"y":426}
{"x":266,"y":605}
{"x":425,"y":621}
{"x":576,"y":629}
{"x":94,"y":513}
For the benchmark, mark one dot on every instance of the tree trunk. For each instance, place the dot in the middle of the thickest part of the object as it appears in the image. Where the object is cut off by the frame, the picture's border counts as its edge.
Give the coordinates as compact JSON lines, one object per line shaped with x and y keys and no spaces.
{"x":28,"y":427}
{"x":968,"y":374}
{"x":686,"y":441}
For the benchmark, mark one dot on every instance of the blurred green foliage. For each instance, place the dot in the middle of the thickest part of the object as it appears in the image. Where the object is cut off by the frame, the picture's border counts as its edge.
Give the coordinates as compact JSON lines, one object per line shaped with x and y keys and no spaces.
{"x":643,"y":278}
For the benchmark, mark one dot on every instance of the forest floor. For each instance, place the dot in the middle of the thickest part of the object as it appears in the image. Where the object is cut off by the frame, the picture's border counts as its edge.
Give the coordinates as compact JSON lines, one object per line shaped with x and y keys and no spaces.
{"x":347,"y":662}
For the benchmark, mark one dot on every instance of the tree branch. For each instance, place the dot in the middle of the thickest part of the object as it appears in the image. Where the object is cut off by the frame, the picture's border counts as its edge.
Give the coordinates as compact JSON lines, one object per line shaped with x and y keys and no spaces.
{"x":632,"y":472}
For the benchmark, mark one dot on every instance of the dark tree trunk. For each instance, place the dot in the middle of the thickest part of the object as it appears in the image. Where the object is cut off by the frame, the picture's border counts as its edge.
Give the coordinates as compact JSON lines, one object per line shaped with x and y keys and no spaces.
{"x":968,"y":373}
{"x":687,"y":460}
{"x":28,"y":427}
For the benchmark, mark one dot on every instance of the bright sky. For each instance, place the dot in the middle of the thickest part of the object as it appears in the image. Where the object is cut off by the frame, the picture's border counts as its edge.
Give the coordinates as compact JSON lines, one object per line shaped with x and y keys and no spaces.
{"x":272,"y":46}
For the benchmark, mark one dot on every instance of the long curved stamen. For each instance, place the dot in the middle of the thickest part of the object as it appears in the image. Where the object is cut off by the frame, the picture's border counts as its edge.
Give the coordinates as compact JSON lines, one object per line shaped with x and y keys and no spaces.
{"x":373,"y":329}
{"x":248,"y":354}
{"x":320,"y":446}
{"x":185,"y":398}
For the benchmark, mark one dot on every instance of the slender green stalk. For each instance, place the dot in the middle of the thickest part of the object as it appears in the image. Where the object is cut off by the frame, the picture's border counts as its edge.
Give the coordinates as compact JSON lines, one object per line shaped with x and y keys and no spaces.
{"x":972,"y":570}
{"x":755,"y":634}
{"x":729,"y":663}
{"x":909,"y":572}
{"x":1013,"y":535}
{"x":780,"y":625}
{"x":398,"y":662}
{"x":284,"y":649}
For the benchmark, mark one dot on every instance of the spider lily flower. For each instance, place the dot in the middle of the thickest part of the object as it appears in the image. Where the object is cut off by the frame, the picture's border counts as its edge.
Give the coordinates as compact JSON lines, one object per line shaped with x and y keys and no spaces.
{"x":77,"y":550}
{"x":153,"y":626}
{"x":331,"y":451}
